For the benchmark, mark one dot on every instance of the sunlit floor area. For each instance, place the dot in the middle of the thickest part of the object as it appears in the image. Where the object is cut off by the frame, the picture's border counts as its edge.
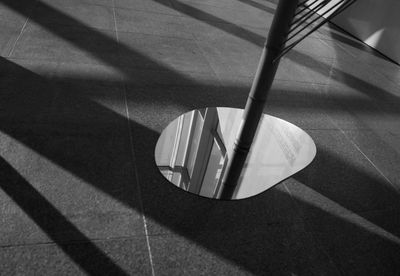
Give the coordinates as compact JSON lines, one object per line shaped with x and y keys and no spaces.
{"x":86,"y":88}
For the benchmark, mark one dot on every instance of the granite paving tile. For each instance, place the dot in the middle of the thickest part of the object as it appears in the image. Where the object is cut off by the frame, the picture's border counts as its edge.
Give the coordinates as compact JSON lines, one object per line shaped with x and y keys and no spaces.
{"x":242,"y":83}
{"x":156,"y":80}
{"x":383,"y":149}
{"x":238,"y":5}
{"x":189,"y":216}
{"x":160,"y":24}
{"x":64,"y":182}
{"x":157,"y":6}
{"x":233,"y":52}
{"x":338,"y":39}
{"x":22,"y":230}
{"x":360,"y":244}
{"x":11,"y":22}
{"x":359,"y":105}
{"x":316,"y":48}
{"x":103,"y":75}
{"x":155,"y":107}
{"x":336,"y":110}
{"x":50,"y":94}
{"x":300,"y":103}
{"x":386,"y":222}
{"x":114,"y":257}
{"x":14,"y":69}
{"x":361,"y":51}
{"x":70,"y":164}
{"x":293,"y":91}
{"x":67,"y":44}
{"x":224,"y":30}
{"x":93,"y":16}
{"x":275,"y":250}
{"x":303,"y":67}
{"x":340,"y":178}
{"x":161,"y":53}
{"x":364,"y":77}
{"x":8,"y":36}
{"x":390,"y":70}
{"x":247,"y":16}
{"x":72,"y":3}
{"x":228,"y":57}
{"x":308,"y":116}
{"x":332,"y":32}
{"x":25,"y":96}
{"x":16,"y":11}
{"x":88,"y":102}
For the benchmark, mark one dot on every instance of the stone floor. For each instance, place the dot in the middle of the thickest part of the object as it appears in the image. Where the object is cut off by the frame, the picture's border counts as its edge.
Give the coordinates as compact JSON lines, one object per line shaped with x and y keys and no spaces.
{"x":86,"y":87}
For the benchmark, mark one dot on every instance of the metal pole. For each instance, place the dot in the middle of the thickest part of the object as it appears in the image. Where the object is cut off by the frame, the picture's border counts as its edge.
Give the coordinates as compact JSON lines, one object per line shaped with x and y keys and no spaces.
{"x":258,"y":94}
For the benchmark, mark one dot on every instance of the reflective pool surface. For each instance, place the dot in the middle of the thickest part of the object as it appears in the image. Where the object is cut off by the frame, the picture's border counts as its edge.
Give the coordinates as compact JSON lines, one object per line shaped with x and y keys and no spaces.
{"x":193,"y":151}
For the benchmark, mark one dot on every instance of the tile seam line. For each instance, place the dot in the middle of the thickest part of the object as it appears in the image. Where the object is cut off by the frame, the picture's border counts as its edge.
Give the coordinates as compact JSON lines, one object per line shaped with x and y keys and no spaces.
{"x":19,"y":36}
{"x":175,"y":14}
{"x":158,"y":35}
{"x":74,"y":27}
{"x":72,"y":242}
{"x":133,"y":157}
{"x":368,"y":159}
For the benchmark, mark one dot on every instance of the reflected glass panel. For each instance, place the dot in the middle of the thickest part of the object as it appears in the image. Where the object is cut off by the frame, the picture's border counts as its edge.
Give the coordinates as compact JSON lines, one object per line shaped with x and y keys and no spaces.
{"x":193,"y":151}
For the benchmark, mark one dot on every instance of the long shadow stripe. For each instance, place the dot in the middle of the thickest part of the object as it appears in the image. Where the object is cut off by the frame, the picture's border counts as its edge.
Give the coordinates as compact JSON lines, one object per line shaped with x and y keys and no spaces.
{"x":90,"y":258}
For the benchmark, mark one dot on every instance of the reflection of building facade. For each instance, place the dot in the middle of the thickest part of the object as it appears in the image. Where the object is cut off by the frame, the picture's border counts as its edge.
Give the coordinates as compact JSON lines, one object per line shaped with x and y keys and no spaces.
{"x":198,"y":157}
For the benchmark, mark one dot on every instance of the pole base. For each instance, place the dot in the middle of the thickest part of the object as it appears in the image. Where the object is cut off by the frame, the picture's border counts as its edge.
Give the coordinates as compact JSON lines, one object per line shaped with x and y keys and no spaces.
{"x":193,"y":151}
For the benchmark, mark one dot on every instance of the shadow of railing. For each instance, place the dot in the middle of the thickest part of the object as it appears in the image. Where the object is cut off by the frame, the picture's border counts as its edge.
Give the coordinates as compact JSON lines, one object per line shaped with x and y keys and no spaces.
{"x":216,"y":22}
{"x":296,"y":57}
{"x":54,"y":224}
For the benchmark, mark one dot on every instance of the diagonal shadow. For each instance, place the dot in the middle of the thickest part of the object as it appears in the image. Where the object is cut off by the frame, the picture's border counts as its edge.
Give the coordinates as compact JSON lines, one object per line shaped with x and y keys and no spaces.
{"x":357,"y":212}
{"x":364,"y":243}
{"x":204,"y":217}
{"x":216,"y":22}
{"x":258,"y":5}
{"x":338,"y":35}
{"x":238,"y":217}
{"x":90,"y":41}
{"x":296,"y":57}
{"x":54,"y":224}
{"x":253,"y":234}
{"x":374,"y":92}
